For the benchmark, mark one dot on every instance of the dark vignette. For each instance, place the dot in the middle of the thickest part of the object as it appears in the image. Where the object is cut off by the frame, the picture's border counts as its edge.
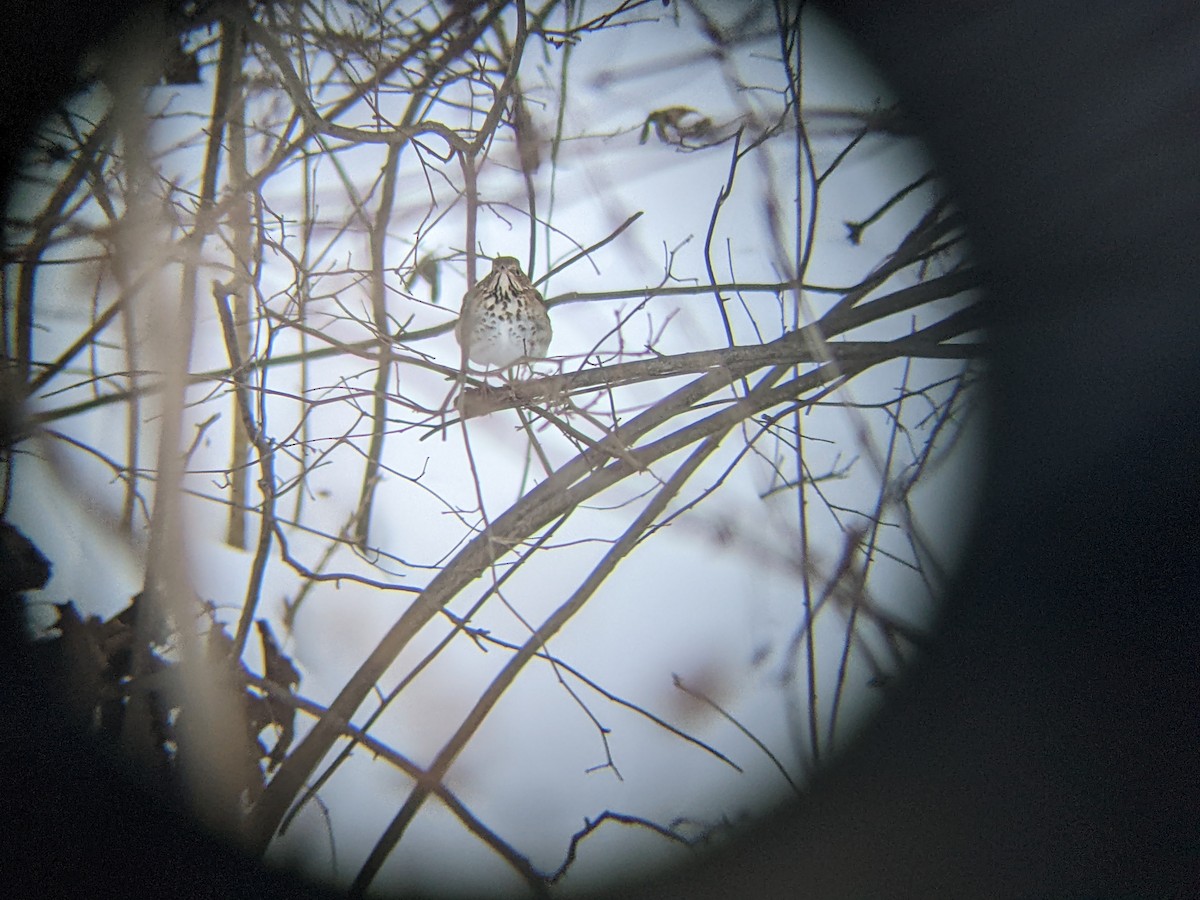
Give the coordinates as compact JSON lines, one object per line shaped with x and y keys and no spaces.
{"x":1049,"y":747}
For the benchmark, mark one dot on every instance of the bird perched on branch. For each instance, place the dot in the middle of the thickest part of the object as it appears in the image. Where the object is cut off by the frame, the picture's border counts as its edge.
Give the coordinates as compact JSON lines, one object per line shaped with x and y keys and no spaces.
{"x":503,"y":319}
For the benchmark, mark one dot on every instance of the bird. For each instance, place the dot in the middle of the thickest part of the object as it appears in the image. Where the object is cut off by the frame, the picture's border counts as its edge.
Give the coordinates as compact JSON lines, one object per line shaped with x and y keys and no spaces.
{"x":503,"y":319}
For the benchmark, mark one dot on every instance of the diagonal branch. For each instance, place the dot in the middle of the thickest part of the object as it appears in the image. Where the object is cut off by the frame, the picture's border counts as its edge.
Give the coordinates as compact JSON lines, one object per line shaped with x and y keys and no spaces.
{"x":491,"y":696}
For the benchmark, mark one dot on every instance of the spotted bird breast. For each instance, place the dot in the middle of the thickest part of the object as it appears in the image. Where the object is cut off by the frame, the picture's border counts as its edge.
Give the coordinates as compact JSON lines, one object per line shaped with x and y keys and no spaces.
{"x":498,"y":338}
